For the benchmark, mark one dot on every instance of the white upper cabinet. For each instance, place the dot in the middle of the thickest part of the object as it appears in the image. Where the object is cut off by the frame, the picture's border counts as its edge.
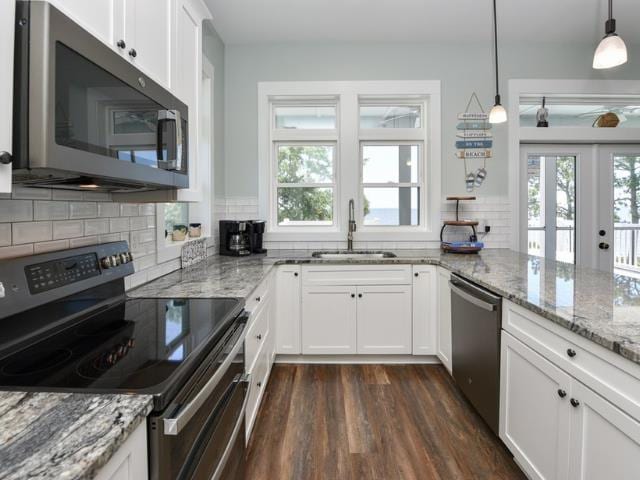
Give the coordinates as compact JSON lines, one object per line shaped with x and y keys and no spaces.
{"x":425,"y":309}
{"x":104,"y":19}
{"x":140,"y":30}
{"x":384,"y":319}
{"x":7,"y":22}
{"x":148,"y":33}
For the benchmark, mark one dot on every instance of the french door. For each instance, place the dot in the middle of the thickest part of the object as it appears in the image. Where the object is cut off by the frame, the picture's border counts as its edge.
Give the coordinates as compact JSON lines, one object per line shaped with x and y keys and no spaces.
{"x":582,"y":204}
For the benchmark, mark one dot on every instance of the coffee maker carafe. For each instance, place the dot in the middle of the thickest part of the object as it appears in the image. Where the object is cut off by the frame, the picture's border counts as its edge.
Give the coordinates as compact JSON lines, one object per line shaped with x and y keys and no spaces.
{"x":235,"y":238}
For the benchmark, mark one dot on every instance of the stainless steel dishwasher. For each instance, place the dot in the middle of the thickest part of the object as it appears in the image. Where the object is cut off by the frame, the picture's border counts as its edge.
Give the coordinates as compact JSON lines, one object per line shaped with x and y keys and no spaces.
{"x":475,"y":338}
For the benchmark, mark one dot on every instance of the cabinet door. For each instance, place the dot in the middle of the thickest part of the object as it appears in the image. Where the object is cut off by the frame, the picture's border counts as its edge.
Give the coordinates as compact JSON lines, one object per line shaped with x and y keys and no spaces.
{"x":329,"y":320}
{"x":534,"y":410}
{"x":129,"y":462}
{"x":186,"y":75}
{"x":384,"y":319}
{"x":104,"y":19}
{"x":149,"y":32}
{"x":605,"y":442}
{"x":7,"y":23}
{"x":425,"y":309}
{"x":444,"y":318}
{"x":287,"y":323}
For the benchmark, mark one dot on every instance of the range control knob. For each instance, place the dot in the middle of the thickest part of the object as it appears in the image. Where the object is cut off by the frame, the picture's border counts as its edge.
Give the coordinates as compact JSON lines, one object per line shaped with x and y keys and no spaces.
{"x":125,"y":257}
{"x":105,"y":262}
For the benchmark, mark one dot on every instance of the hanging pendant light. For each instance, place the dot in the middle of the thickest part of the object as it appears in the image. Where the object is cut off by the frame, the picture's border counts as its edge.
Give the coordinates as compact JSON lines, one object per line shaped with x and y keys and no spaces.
{"x":497,"y":114}
{"x":611,"y":50}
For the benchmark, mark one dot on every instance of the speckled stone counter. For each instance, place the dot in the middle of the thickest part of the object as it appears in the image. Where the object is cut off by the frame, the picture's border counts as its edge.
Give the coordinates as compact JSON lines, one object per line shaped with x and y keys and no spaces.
{"x":600,"y":306}
{"x":62,"y":435}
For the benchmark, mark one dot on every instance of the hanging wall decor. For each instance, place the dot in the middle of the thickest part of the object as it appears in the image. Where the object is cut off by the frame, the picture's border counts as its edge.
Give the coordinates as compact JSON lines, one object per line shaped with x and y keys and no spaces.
{"x":474,"y":141}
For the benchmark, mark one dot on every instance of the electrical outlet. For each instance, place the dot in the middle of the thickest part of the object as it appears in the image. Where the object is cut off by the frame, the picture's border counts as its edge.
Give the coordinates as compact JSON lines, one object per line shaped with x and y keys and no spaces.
{"x":483,"y":226}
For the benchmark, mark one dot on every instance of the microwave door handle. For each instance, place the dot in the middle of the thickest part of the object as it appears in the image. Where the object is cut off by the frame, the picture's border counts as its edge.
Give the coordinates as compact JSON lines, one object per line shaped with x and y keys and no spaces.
{"x":173,"y":426}
{"x":174,"y":145}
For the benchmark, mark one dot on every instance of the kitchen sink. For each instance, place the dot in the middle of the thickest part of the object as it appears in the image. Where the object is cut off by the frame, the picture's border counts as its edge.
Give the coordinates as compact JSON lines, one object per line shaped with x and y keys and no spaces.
{"x":352,"y":255}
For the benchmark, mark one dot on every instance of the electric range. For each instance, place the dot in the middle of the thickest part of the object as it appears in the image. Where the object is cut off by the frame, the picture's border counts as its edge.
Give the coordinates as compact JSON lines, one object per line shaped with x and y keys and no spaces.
{"x":68,"y":326}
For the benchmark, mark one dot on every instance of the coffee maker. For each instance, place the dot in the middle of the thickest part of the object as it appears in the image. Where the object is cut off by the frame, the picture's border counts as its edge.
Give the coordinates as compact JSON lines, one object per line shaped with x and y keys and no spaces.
{"x":235,"y":238}
{"x":257,"y":232}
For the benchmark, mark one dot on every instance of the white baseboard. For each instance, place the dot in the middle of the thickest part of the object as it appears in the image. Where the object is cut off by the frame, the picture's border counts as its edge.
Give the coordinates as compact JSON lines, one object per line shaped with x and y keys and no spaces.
{"x":359,"y":359}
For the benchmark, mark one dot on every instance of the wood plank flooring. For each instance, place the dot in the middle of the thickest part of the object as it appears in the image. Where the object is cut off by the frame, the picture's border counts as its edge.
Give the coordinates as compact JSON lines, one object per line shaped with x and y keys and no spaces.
{"x":388,"y":422}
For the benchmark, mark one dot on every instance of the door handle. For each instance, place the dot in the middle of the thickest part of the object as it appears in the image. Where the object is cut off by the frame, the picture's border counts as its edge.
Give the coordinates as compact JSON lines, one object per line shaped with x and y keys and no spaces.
{"x":603,"y":246}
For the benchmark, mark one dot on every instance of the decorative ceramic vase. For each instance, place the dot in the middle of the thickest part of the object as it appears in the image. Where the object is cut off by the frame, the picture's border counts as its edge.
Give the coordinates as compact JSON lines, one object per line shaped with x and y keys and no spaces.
{"x":195,"y":230}
{"x":179,"y":233}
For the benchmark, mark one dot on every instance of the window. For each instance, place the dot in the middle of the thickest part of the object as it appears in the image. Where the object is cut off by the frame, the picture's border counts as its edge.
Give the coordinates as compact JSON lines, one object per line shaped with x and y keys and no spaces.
{"x":175,"y":214}
{"x":325,"y":143}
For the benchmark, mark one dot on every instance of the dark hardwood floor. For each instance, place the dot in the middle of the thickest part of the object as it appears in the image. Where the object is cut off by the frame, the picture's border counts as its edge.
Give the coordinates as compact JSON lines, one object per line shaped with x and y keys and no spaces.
{"x":388,"y":422}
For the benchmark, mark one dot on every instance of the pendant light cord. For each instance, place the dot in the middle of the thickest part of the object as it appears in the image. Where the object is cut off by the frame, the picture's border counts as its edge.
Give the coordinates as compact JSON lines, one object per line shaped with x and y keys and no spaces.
{"x":610,"y":9}
{"x":495,"y":42}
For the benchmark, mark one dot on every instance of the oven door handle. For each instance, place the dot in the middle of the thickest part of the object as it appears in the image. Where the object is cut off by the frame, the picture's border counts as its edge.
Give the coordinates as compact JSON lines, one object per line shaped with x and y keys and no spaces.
{"x":234,"y":435}
{"x":490,"y":307}
{"x":173,"y":426}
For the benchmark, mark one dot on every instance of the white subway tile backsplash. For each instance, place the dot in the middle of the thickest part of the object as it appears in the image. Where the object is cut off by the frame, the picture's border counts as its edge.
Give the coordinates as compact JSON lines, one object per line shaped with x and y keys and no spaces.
{"x":111,"y":237}
{"x":108,"y":210}
{"x":68,"y":229}
{"x":5,"y":234}
{"x":129,"y":209}
{"x":96,"y":226}
{"x":83,"y":241}
{"x":16,"y":251}
{"x":29,"y":232}
{"x":119,"y":225}
{"x":147,"y":209}
{"x":83,"y":210}
{"x":25,"y":193}
{"x":48,"y":210}
{"x":138,"y":223}
{"x":16,"y":210}
{"x":50,"y":246}
{"x":71,"y":195}
{"x":96,"y":196}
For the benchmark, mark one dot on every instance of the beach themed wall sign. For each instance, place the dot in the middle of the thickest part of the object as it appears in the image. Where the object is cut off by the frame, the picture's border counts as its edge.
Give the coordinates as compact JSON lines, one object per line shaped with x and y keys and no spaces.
{"x":474,"y":141}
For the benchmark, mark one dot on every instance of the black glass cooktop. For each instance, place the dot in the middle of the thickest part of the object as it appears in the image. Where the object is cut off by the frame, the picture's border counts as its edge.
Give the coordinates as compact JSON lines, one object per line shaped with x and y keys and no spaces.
{"x":137,"y":345}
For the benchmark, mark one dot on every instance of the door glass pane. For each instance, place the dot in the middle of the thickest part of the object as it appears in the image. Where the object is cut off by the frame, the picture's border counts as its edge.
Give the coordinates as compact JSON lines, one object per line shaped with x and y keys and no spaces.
{"x":621,"y":112}
{"x":305,"y":117}
{"x":565,"y":208}
{"x":305,"y":163}
{"x":391,"y":206}
{"x":626,"y":211}
{"x":305,"y":206}
{"x":535,"y":205}
{"x":390,"y":163}
{"x":390,"y":116}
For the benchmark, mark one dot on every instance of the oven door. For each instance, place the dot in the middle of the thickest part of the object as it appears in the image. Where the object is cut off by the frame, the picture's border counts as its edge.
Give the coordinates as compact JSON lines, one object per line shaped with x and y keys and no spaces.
{"x":85,"y":114}
{"x":201,"y":434}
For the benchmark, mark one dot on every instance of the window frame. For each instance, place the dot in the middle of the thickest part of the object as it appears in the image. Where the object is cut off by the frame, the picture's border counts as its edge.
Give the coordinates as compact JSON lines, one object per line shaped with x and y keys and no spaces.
{"x":348,"y":135}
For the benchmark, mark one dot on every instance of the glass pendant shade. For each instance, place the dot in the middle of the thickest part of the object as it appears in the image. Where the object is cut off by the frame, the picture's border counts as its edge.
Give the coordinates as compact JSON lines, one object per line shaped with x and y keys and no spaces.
{"x":497,"y":114}
{"x":611,"y":52}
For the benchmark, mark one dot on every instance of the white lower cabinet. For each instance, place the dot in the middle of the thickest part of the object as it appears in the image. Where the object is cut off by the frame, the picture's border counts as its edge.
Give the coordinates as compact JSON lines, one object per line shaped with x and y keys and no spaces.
{"x":558,"y":428}
{"x":287,"y":310}
{"x":329,"y":320}
{"x":383,"y":319}
{"x":425,"y":309}
{"x":130,"y":460}
{"x":444,"y":318}
{"x":534,"y":417}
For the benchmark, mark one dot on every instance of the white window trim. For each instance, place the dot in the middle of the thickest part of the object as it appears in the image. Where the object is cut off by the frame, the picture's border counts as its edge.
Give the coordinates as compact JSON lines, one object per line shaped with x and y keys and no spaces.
{"x":518,"y":135}
{"x":349,"y":137}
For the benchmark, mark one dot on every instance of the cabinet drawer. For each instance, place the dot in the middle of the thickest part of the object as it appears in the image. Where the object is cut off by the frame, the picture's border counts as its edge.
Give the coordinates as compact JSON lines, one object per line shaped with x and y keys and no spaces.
{"x":612,"y":376}
{"x":356,"y":275}
{"x":256,"y":335}
{"x":257,"y":386}
{"x":259,"y":296}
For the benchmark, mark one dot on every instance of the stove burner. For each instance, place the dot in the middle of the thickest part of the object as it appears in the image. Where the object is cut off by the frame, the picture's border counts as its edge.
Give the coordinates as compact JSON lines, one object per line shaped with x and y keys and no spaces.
{"x":26,"y":364}
{"x":107,"y":363}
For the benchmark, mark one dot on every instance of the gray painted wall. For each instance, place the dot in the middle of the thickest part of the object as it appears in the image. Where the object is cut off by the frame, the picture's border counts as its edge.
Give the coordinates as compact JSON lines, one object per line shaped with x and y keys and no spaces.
{"x":461,"y":68}
{"x":214,"y":50}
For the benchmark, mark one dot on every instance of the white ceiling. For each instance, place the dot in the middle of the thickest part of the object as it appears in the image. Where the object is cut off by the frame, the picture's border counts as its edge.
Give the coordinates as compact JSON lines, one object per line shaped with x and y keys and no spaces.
{"x":279,"y":21}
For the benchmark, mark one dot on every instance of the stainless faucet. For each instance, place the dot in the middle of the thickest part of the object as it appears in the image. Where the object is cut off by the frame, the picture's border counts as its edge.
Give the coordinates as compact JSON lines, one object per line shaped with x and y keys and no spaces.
{"x":352,"y":225}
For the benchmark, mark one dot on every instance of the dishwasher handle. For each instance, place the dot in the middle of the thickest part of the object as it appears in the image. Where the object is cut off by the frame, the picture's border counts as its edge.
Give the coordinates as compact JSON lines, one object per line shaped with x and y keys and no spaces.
{"x":478,"y":302}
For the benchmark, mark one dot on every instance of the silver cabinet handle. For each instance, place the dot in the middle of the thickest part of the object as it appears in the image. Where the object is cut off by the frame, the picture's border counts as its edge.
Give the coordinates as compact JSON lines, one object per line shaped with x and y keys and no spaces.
{"x":490,"y":307}
{"x":172,"y":426}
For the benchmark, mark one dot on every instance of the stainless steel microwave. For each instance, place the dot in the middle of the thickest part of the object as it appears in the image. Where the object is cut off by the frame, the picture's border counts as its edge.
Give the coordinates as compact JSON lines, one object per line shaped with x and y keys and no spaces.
{"x":85,"y":117}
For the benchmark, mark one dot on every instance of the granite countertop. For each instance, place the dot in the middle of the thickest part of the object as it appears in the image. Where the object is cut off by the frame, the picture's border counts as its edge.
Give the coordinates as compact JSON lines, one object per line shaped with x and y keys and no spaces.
{"x":600,"y":306}
{"x":64,"y":435}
